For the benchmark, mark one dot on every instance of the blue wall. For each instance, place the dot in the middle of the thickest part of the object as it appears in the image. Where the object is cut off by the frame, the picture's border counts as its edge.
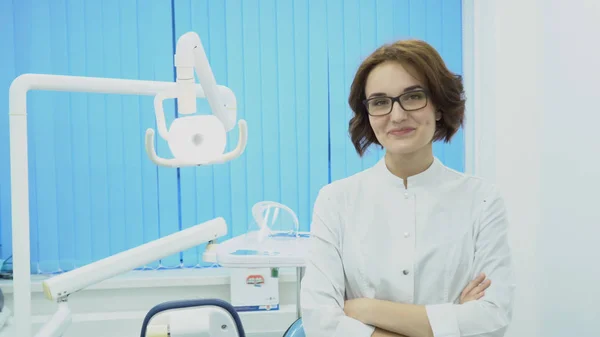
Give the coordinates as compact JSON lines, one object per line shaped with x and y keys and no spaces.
{"x":93,"y":191}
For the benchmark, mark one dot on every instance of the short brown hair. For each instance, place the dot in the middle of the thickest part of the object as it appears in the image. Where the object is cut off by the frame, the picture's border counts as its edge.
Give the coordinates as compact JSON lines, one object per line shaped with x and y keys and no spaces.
{"x":445,"y":89}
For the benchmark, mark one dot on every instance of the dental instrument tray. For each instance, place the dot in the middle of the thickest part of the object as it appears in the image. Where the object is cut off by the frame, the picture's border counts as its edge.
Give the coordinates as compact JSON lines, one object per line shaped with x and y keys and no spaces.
{"x":275,"y":241}
{"x":253,"y":250}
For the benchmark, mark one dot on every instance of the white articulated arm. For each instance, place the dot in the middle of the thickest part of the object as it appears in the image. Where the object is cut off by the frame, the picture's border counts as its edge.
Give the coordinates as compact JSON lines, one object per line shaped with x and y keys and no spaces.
{"x":190,"y":56}
{"x":65,"y":284}
{"x":61,"y":286}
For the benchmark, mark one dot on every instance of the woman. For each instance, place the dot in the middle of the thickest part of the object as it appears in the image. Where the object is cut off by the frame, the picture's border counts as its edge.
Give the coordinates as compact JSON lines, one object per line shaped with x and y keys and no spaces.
{"x":403,"y":248}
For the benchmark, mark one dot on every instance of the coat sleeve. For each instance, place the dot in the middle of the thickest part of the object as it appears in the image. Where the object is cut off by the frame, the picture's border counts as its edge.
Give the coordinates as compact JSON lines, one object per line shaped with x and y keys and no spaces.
{"x":490,"y":315}
{"x":323,"y":284}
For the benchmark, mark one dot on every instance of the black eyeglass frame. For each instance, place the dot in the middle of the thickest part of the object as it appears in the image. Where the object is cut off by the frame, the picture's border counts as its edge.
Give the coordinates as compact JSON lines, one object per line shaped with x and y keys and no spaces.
{"x":397,"y":99}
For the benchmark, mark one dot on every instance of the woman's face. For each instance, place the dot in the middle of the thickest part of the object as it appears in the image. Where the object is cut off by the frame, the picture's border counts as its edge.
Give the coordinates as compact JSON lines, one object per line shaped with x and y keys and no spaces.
{"x":400,"y":131}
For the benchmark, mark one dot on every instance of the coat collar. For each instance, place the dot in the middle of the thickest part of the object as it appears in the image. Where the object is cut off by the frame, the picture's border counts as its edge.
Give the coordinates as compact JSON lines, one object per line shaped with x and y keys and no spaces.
{"x":431,"y":176}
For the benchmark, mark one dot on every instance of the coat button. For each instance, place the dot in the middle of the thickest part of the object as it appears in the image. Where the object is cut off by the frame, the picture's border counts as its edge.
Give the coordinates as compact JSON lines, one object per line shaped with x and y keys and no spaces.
{"x":406,"y":234}
{"x":405,"y":272}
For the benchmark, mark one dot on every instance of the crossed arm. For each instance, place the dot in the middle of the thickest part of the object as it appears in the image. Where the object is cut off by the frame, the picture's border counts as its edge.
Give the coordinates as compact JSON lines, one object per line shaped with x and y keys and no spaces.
{"x":383,"y":315}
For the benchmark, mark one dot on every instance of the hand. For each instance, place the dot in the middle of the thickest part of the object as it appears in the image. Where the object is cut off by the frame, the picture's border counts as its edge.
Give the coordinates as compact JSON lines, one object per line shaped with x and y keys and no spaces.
{"x":355,"y":307}
{"x":475,"y":289}
{"x":384,"y":333}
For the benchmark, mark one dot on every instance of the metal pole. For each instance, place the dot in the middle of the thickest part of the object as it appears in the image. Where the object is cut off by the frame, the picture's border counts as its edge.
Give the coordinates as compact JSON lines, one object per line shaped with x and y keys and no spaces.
{"x":299,"y":276}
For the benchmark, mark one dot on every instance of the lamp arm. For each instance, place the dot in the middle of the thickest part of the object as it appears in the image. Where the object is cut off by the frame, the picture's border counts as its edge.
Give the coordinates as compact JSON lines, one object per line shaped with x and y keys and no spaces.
{"x":190,"y":56}
{"x":207,"y":80}
{"x":80,"y":278}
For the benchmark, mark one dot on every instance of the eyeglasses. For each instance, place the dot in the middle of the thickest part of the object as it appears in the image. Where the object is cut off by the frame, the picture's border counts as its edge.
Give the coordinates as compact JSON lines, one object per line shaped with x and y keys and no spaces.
{"x":409,"y":101}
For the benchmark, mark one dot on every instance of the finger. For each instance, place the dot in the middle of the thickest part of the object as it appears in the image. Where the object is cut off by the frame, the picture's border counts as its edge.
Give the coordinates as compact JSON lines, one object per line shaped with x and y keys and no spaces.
{"x":482,"y":286}
{"x":485,"y":284}
{"x":473,"y":284}
{"x":469,"y":289}
{"x":472,"y":297}
{"x":475,"y":291}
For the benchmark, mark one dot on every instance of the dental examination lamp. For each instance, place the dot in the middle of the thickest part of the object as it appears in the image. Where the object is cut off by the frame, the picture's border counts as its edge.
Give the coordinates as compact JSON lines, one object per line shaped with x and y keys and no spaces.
{"x":190,"y":141}
{"x":200,"y":139}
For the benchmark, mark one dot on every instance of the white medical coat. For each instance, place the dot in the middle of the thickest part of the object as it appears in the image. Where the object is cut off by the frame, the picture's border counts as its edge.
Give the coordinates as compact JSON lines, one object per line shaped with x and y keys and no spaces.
{"x":374,"y":238}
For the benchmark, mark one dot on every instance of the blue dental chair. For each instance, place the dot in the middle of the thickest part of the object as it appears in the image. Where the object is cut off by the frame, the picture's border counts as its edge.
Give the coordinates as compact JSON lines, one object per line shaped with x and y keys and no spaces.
{"x":295,"y":330}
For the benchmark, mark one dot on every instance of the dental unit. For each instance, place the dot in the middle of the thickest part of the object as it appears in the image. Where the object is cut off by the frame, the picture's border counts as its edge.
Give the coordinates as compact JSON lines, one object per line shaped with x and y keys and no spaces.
{"x":188,"y":146}
{"x":265,"y":247}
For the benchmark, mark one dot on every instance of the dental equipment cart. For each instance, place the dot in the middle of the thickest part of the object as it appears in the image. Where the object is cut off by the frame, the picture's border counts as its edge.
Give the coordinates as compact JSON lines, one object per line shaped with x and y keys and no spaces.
{"x":266,"y":248}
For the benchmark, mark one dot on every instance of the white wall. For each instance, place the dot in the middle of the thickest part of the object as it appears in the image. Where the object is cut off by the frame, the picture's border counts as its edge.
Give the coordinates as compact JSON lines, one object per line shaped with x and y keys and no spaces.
{"x":537,"y":67}
{"x":568,"y":242}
